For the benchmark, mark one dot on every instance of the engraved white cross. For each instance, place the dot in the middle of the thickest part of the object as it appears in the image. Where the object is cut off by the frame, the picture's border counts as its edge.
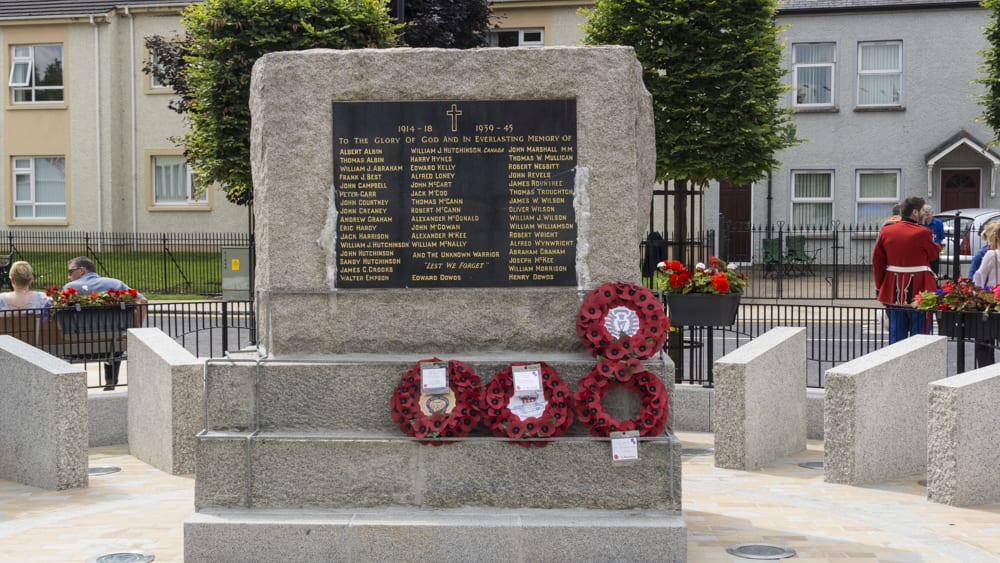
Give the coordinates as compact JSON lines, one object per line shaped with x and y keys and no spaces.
{"x":454,"y":112}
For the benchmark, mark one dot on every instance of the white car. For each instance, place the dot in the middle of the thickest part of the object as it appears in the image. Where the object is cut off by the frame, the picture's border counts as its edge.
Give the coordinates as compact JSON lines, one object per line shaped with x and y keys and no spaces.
{"x":971,"y":221}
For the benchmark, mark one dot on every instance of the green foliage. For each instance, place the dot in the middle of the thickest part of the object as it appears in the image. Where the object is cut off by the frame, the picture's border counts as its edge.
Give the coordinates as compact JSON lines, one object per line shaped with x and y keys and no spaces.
{"x":226,"y":38}
{"x":450,"y":24}
{"x":713,"y":69}
{"x":990,"y":68}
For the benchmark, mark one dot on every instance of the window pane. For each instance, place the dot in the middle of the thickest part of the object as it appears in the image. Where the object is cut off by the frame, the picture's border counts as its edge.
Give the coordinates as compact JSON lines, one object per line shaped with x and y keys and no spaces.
{"x":880,"y":57}
{"x":22,"y":95}
{"x":48,"y":65}
{"x":814,"y":85}
{"x":873,"y":213}
{"x":50,"y":182}
{"x":812,"y":214}
{"x":875,"y":89}
{"x":877,"y":185}
{"x":22,"y":51}
{"x":50,"y":211}
{"x":23,"y":211}
{"x":812,"y":185}
{"x":532,"y":36}
{"x":49,"y":95}
{"x":170,"y":179}
{"x":22,"y":187}
{"x":19,"y":73}
{"x":805,"y":53}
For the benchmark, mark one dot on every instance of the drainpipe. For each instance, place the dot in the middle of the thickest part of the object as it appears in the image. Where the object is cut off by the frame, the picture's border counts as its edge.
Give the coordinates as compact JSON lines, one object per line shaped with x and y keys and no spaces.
{"x":131,"y":74}
{"x":97,"y":122}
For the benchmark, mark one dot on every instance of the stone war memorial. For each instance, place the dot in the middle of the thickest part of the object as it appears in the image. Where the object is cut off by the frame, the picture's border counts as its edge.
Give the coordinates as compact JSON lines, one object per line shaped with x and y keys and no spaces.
{"x":428,"y":222}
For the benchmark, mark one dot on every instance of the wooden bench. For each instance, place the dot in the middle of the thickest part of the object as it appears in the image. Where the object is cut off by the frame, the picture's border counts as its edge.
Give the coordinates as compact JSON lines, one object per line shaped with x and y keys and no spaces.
{"x":71,"y":341}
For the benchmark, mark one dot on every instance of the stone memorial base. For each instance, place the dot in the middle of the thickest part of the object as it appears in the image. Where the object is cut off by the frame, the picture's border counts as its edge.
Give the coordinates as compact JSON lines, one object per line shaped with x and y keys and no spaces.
{"x":461,"y":534}
{"x":286,"y":471}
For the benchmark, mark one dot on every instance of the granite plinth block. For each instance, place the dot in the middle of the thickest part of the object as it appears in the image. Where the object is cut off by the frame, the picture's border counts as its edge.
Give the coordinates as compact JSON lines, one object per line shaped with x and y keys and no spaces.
{"x":611,"y":191}
{"x":351,"y":392}
{"x":43,"y":418}
{"x":165,"y":396}
{"x":760,"y":400}
{"x":407,"y":535}
{"x":963,"y":461}
{"x":365,"y":471}
{"x":875,"y":411}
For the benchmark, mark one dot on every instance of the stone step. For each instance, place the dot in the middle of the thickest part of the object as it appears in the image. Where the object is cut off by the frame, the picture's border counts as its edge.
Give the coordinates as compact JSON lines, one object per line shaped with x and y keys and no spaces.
{"x":282,"y":470}
{"x":404,"y":535}
{"x":351,"y":392}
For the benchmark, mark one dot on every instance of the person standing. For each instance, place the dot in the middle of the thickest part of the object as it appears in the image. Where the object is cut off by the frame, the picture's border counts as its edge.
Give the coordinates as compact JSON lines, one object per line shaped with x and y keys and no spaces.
{"x":901,"y":269}
{"x":937,"y":229}
{"x":21,"y":276}
{"x":84,"y":279}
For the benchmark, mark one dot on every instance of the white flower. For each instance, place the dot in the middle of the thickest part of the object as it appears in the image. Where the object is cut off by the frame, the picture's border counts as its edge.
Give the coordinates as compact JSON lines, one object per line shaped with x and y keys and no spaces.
{"x":86,"y":289}
{"x":699,"y":266}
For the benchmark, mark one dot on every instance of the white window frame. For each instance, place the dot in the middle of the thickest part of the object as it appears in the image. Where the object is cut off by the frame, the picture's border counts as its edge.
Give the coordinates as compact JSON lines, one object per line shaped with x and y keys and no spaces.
{"x":155,"y":84}
{"x":192,"y":197}
{"x":24,"y":56}
{"x":811,"y":200}
{"x":859,"y":200}
{"x":796,"y":66}
{"x":18,"y":168}
{"x":897,"y":72}
{"x":521,"y":41}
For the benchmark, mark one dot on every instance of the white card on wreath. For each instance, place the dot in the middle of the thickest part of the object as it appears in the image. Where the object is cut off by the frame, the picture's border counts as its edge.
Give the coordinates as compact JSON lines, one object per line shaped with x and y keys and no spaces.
{"x":527,"y":404}
{"x":527,"y":378}
{"x":625,"y":446}
{"x":433,"y":377}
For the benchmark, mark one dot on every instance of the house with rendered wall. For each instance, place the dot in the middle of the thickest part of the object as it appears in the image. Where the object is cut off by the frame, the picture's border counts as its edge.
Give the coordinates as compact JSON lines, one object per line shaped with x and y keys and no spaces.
{"x":884,"y":99}
{"x":86,"y":136}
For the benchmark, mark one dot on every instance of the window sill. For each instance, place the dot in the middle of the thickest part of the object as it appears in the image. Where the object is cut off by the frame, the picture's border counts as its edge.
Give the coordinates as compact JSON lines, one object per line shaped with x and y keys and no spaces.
{"x":831,"y":109}
{"x":159,"y":208}
{"x":864,"y":109}
{"x":33,"y":106}
{"x":38,"y":223}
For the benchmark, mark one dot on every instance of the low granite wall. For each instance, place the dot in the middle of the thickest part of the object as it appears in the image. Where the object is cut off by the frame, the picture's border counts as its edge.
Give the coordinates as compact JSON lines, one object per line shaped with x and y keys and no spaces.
{"x":43,"y":418}
{"x":760,"y":400}
{"x":876,"y":411}
{"x":962,"y":436}
{"x":165,"y":398}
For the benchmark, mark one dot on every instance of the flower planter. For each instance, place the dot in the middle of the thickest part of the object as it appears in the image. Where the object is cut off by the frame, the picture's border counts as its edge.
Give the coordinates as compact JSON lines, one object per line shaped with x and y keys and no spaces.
{"x":703,"y":309}
{"x":970,"y":325}
{"x":85,"y":320}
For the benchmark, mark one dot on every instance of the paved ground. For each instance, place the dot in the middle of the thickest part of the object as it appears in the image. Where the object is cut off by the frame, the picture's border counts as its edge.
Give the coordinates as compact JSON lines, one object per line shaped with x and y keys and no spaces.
{"x":141,"y":508}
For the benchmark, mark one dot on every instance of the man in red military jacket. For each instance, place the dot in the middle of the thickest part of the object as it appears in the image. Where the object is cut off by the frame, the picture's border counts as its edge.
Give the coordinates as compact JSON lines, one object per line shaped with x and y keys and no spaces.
{"x":901,"y":266}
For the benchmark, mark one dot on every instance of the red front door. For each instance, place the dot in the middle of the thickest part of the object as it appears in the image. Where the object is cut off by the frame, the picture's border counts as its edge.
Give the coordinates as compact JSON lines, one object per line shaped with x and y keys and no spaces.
{"x":959,"y":189}
{"x":734,"y":205}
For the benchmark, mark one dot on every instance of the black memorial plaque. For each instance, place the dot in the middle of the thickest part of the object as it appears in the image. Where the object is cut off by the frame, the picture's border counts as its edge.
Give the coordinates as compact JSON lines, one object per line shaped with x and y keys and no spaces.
{"x":455,"y":193}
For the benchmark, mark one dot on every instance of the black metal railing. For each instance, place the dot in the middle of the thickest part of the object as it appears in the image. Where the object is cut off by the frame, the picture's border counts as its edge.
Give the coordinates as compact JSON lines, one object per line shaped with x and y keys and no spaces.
{"x":154,"y":263}
{"x":207,"y":329}
{"x":835,"y":334}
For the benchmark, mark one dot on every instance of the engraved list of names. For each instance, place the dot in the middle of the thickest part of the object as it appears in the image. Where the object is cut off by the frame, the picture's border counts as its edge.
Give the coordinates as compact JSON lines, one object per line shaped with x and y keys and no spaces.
{"x":455,"y":193}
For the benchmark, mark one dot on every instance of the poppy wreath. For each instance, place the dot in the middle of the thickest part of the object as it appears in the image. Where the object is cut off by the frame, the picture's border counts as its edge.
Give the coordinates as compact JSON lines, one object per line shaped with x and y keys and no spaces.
{"x":608,"y":374}
{"x":620,"y":319}
{"x":463,"y":417}
{"x":554,"y":420}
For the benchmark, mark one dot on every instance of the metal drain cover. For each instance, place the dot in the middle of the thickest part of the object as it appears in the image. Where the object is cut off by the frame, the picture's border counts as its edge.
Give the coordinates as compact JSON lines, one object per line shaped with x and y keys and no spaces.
{"x":760,"y":551}
{"x":103,"y":470}
{"x":697,"y":451}
{"x":812,"y":464}
{"x":123,"y":557}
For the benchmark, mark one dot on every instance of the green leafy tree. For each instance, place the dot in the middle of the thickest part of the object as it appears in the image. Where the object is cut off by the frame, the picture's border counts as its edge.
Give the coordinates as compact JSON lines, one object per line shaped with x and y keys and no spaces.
{"x":990,"y":68}
{"x":451,"y":24}
{"x":713,"y":69}
{"x":226,"y":37}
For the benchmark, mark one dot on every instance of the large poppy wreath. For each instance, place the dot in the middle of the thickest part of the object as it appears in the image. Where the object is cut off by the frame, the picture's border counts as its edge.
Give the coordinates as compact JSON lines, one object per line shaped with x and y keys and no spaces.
{"x":608,"y":374}
{"x":431,"y":416}
{"x":620,"y":319}
{"x":551,"y":422}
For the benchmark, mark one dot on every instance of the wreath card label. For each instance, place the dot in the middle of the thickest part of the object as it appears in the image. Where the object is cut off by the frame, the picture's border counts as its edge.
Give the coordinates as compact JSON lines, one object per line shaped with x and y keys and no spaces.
{"x":433,"y":377}
{"x":625,"y":446}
